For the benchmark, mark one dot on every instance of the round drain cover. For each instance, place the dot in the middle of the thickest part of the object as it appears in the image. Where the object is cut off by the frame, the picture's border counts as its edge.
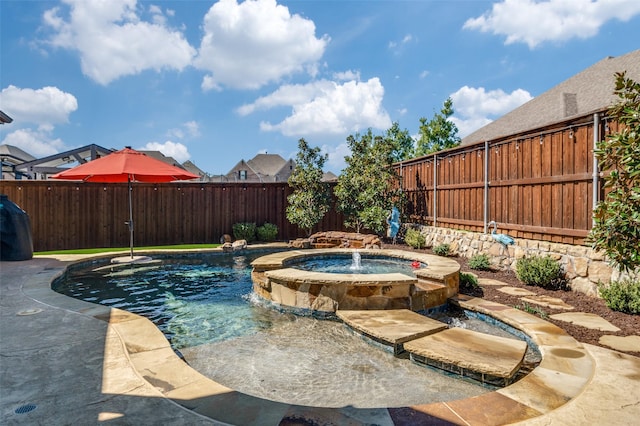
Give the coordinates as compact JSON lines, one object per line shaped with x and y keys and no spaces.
{"x":25,"y":408}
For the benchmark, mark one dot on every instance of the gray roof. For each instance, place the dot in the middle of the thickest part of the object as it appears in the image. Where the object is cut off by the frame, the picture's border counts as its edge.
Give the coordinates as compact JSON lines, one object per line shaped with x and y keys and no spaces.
{"x":4,"y":118}
{"x":53,"y":163}
{"x":192,"y":168}
{"x":160,"y":156}
{"x":15,"y":153}
{"x":329,"y":177}
{"x":585,"y":93}
{"x":267,"y":164}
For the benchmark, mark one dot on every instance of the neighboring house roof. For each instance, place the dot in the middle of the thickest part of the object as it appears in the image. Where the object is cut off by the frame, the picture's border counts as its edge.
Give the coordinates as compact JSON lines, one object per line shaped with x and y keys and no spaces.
{"x":52,"y":163}
{"x":14,"y":153}
{"x":267,"y":164}
{"x":192,"y":168}
{"x":4,"y":118}
{"x":329,"y":177}
{"x":263,"y":168}
{"x":587,"y":92}
{"x":160,"y":156}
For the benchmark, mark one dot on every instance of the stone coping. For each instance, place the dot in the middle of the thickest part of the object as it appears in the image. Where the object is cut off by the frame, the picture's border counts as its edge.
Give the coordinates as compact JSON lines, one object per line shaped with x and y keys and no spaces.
{"x":293,"y":275}
{"x":437,"y":267}
{"x":564,"y":372}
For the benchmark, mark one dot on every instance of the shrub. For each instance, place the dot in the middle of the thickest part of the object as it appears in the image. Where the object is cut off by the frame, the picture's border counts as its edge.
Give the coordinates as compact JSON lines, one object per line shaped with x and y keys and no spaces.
{"x":480,"y":262}
{"x":468,"y":280}
{"x":415,"y":239}
{"x":244,"y":231}
{"x":622,"y":296}
{"x":442,"y":250}
{"x":541,"y":271}
{"x":267,"y":232}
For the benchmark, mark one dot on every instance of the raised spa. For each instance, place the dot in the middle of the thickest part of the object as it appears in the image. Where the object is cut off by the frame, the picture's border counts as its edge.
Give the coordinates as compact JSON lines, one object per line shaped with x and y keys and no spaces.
{"x":418,"y":281}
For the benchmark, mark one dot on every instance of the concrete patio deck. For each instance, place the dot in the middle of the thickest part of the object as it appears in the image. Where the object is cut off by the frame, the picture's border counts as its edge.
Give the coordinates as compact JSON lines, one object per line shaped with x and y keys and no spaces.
{"x":63,"y":361}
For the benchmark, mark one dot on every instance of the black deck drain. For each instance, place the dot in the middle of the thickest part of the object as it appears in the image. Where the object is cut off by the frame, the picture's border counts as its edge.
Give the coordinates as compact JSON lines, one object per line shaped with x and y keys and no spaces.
{"x":25,"y":408}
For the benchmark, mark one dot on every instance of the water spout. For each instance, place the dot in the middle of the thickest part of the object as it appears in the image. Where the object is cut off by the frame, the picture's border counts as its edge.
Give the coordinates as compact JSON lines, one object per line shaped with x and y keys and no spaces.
{"x":356,"y":261}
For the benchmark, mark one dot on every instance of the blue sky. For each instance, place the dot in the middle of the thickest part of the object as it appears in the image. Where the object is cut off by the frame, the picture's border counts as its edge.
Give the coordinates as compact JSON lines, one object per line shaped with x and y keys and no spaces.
{"x":216,"y":82}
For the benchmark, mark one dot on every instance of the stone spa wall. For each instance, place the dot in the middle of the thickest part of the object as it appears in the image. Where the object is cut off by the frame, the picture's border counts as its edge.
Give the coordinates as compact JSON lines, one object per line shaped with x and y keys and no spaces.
{"x":584,"y":267}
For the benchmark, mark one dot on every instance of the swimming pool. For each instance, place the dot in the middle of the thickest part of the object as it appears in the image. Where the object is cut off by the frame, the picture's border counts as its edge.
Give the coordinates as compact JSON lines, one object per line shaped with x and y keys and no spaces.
{"x":204,"y":306}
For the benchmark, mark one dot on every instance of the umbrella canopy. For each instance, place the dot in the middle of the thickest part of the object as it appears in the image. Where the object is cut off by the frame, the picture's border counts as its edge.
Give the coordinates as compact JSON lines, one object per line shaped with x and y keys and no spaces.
{"x":123,"y":166}
{"x":126,"y":165}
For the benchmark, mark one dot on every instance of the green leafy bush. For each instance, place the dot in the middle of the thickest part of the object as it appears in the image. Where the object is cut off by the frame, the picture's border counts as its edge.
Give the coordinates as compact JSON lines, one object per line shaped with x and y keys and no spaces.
{"x":541,"y":271}
{"x":616,"y":227}
{"x":480,"y":262}
{"x":622,"y":296}
{"x":415,"y":239}
{"x":442,"y":250}
{"x":267,"y":232}
{"x":244,"y":231}
{"x":468,"y":280}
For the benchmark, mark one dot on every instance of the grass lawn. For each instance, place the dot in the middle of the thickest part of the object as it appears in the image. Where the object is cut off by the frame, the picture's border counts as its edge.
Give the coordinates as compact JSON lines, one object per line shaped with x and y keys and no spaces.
{"x":126,"y":249}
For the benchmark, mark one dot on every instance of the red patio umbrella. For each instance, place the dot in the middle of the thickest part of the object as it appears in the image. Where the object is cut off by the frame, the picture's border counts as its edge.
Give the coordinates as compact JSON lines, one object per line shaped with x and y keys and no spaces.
{"x":126,"y":165}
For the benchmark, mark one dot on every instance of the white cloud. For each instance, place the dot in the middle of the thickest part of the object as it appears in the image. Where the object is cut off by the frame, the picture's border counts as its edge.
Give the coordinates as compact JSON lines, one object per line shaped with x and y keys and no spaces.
{"x":188,"y":129}
{"x":336,"y":154}
{"x":169,"y":149}
{"x":45,"y":106}
{"x":38,"y":143}
{"x":406,"y":39}
{"x":347,"y":75}
{"x":113,"y":41}
{"x":534,"y":22}
{"x":326,"y":107}
{"x":192,"y":128}
{"x":253,"y":43}
{"x":476,"y":107}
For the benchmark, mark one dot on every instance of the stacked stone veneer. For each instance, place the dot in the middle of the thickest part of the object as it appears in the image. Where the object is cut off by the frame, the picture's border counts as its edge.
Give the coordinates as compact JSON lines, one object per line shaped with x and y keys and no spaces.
{"x":431,"y":286}
{"x":583,"y":266}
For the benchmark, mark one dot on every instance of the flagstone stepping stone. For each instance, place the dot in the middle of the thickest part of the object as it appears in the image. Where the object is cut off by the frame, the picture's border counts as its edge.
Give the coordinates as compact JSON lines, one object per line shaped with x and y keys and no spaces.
{"x":548,"y":301}
{"x":483,"y":357}
{"x":587,"y":320}
{"x":391,"y":327}
{"x":489,"y":281}
{"x":621,"y":343}
{"x":516,"y":291}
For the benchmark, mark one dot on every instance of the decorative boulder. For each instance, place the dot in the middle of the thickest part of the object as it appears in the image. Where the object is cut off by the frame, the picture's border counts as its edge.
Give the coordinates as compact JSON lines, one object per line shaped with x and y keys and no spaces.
{"x":239,"y":245}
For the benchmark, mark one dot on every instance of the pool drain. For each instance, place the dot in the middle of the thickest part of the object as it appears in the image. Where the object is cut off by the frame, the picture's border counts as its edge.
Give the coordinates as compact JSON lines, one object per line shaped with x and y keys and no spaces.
{"x":25,"y":409}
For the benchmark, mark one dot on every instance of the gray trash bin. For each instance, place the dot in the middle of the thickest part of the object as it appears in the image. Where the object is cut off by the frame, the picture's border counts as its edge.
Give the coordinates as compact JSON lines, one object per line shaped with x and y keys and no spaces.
{"x":16,"y":242}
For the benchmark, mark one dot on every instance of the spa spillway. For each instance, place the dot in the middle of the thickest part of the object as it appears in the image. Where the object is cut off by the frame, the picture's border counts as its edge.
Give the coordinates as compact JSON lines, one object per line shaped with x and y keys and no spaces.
{"x":281,"y":279}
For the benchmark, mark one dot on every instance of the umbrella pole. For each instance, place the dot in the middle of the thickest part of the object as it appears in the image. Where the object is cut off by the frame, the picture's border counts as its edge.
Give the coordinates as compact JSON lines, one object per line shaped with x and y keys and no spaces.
{"x":130,"y":218}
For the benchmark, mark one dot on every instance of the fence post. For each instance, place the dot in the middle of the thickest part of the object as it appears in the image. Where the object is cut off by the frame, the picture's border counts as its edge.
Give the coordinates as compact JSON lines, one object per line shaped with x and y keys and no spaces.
{"x":486,"y":186}
{"x":435,"y":195}
{"x":596,"y":139}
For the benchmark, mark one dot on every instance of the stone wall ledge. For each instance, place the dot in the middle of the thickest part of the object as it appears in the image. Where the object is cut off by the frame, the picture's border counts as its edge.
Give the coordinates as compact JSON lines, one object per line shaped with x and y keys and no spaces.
{"x":584,"y":267}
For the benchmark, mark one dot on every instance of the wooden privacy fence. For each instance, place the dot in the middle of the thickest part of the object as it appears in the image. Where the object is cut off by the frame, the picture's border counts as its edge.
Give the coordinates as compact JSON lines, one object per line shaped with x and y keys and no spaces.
{"x":70,"y":215}
{"x":537,"y":185}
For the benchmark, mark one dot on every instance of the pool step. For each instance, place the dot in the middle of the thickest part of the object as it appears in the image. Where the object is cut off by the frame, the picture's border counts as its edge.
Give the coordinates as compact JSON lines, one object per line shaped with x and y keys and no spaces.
{"x":489,"y":359}
{"x":391,"y":327}
{"x":428,"y":294}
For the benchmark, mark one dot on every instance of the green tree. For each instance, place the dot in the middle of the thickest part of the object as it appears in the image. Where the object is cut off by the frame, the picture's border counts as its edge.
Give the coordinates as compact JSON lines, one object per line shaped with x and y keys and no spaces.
{"x":311,"y":197}
{"x":402,"y":141}
{"x":438,"y":133}
{"x":616,"y":228}
{"x":368,"y":187}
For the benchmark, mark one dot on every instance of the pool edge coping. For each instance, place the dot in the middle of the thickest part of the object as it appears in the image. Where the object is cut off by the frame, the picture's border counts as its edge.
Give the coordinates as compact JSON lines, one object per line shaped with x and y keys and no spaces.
{"x":525,"y":395}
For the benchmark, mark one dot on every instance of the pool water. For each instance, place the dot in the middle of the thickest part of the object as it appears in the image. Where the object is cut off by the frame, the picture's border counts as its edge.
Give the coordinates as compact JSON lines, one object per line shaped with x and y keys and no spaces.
{"x":344,"y":264}
{"x":205,"y":307}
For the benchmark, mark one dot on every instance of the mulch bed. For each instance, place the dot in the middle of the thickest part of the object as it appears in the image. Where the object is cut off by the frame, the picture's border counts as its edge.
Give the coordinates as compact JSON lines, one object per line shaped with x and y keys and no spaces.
{"x":628,"y":324}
